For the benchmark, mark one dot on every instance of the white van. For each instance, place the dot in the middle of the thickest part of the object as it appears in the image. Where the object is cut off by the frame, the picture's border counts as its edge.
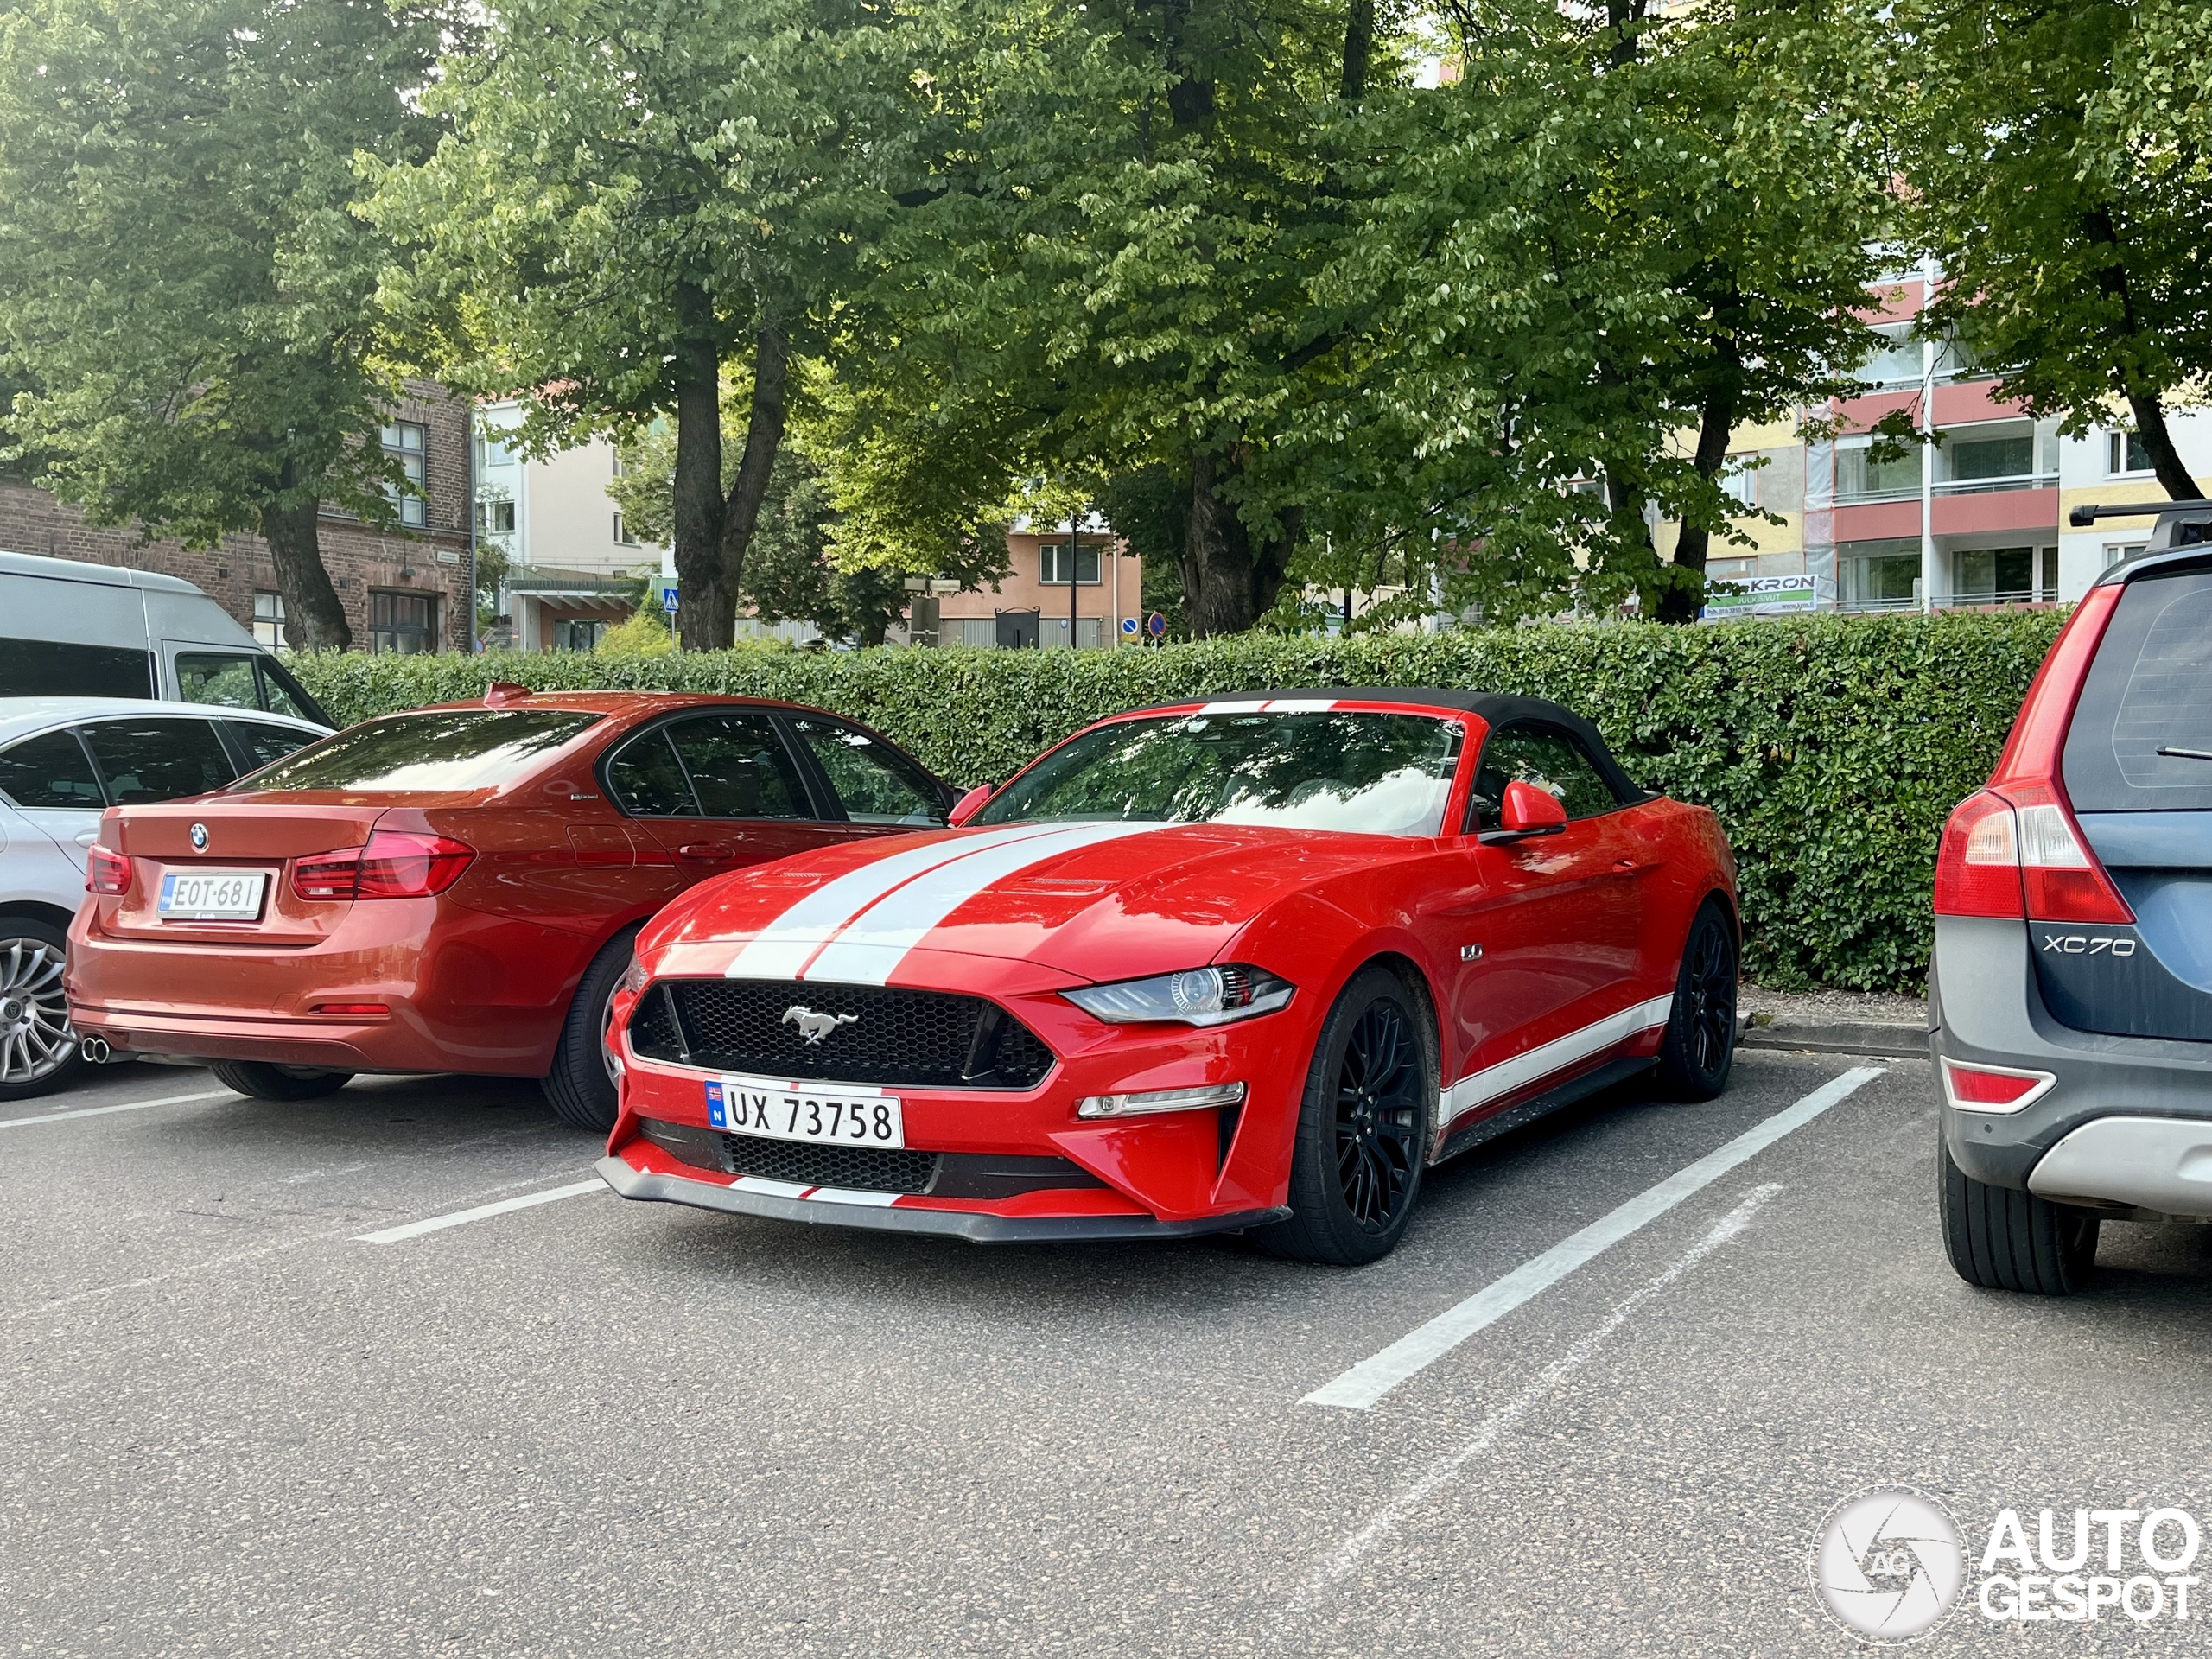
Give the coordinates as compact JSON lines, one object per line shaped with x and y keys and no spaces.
{"x":73,"y":630}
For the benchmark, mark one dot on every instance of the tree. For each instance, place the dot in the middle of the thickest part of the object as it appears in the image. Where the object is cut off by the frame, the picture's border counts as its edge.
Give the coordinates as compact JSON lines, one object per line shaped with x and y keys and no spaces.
{"x":637,"y":195}
{"x":184,"y":294}
{"x":2058,"y":163}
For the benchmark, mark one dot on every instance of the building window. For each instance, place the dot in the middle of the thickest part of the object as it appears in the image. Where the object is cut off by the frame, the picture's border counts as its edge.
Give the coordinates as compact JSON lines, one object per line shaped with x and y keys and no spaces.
{"x":1859,"y":477}
{"x":1994,"y":575}
{"x":2126,"y":455}
{"x":1897,"y":359}
{"x":2115,"y":551}
{"x":1739,"y":481}
{"x":622,"y":535}
{"x":2012,"y":456}
{"x":404,"y":623}
{"x":579,"y":635}
{"x":495,"y":518}
{"x":268,"y":617}
{"x":408,"y":443}
{"x":1052,"y":563}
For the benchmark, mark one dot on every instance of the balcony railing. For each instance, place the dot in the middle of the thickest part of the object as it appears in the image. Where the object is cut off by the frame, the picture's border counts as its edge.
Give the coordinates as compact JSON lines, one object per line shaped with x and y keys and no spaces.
{"x":1997,"y":486}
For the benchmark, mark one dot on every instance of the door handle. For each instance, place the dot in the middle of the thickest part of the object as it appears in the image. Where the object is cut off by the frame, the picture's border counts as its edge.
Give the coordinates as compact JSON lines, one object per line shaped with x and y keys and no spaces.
{"x":707,"y":852}
{"x":1625,"y":866}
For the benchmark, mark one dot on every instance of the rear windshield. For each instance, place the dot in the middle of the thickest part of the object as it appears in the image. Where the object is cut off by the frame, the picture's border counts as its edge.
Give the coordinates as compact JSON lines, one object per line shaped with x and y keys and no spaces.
{"x":2141,"y":739}
{"x":1376,"y":773}
{"x":445,"y":748}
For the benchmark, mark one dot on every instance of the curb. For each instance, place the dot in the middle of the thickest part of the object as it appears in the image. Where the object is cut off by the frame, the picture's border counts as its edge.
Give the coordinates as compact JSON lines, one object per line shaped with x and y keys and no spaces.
{"x":1833,"y":1036}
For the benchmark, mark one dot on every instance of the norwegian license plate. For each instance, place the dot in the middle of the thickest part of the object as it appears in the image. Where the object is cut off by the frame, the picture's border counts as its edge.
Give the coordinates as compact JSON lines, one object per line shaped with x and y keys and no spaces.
{"x":832,"y":1113}
{"x":212,"y":895}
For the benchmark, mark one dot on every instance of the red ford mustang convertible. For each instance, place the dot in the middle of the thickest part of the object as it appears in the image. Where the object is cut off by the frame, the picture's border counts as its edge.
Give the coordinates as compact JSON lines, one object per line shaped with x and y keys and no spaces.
{"x":1251,"y":963}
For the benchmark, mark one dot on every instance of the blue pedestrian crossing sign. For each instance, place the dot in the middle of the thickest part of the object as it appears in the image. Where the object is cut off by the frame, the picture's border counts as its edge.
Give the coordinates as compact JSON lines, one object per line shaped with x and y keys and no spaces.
{"x":668,"y":590}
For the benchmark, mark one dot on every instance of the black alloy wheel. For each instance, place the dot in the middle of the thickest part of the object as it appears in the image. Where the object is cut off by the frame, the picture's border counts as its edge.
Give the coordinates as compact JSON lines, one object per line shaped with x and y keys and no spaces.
{"x":1364,"y":1126}
{"x":1700,"y":1048}
{"x":1378,"y":1118}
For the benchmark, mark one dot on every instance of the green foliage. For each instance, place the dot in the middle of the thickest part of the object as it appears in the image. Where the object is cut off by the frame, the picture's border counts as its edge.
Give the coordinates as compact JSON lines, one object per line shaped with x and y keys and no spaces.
{"x":642,"y":634}
{"x":1831,"y":748}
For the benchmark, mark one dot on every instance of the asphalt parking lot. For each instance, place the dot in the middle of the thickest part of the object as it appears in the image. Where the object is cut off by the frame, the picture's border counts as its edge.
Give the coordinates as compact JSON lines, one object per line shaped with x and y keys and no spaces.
{"x":581,"y":1427}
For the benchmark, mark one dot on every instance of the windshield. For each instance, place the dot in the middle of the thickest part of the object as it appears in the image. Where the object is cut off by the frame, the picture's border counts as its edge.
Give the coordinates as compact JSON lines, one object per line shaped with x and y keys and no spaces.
{"x":445,"y":748}
{"x":1372,"y":773}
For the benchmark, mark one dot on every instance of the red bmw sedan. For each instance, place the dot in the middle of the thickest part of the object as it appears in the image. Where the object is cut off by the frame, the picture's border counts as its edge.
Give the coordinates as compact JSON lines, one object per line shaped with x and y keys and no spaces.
{"x":456,"y":888}
{"x":1251,"y":963}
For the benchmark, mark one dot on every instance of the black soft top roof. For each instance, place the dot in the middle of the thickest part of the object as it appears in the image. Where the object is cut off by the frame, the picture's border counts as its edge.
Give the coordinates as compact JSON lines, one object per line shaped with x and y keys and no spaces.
{"x":1493,"y":709}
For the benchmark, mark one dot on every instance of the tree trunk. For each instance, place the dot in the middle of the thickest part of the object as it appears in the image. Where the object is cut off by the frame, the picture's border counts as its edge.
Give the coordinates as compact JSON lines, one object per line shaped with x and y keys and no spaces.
{"x":764,"y":435}
{"x":2165,"y":459}
{"x":1230,"y":580}
{"x":314,"y":619}
{"x":1682,"y":601}
{"x":706,"y":605}
{"x":1359,"y":48}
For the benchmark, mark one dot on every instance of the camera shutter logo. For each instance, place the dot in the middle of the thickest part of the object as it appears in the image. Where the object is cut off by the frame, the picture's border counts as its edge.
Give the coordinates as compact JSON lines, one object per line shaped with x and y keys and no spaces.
{"x":1888,"y":1564}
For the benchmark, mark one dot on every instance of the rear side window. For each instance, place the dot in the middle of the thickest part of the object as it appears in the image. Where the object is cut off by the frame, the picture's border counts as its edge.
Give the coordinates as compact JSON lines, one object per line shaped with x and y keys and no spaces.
{"x":439,"y":748}
{"x":739,"y":767}
{"x":647,"y":780}
{"x":48,"y":668}
{"x":158,"y":760}
{"x":261,"y":743}
{"x":875,"y":783}
{"x":1550,"y":760}
{"x":2141,"y":739}
{"x":227,"y":681}
{"x":50,"y":770}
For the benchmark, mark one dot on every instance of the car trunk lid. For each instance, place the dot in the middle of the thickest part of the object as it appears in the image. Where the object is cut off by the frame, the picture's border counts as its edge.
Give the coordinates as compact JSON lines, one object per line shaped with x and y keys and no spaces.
{"x":266,"y":835}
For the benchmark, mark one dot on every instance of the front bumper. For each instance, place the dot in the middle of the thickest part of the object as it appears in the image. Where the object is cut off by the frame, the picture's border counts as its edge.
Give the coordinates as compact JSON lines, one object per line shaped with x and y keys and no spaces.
{"x":1986,"y":1007}
{"x":747,"y":1195}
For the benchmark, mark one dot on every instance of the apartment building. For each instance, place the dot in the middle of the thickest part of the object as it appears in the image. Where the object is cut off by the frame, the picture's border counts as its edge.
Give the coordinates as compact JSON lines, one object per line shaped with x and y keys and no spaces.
{"x":570,"y":561}
{"x":1088,"y":577}
{"x":1978,"y":519}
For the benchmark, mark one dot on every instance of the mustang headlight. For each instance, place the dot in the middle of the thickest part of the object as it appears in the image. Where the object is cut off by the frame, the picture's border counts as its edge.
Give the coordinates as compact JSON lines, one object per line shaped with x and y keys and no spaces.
{"x":634,"y":978}
{"x":1197,"y":996}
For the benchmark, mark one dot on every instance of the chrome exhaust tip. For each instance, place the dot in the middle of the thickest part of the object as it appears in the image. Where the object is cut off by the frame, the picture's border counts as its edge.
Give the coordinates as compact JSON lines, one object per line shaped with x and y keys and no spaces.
{"x":95,"y":1050}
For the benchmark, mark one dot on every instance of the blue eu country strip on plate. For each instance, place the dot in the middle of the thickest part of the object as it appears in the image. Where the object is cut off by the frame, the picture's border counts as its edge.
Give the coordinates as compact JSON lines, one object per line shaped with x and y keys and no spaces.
{"x":717,"y":1113}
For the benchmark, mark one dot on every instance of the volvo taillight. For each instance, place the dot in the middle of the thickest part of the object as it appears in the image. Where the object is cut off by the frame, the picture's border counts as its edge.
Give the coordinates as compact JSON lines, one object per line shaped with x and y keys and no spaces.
{"x":2020,"y":855}
{"x":395,"y":864}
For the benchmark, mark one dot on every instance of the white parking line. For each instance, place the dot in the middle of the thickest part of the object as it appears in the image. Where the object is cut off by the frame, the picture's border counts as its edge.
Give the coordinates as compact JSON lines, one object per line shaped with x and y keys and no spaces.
{"x":1387,"y":1519}
{"x":130,"y":1106}
{"x":462,"y":1217}
{"x":1359,"y":1388}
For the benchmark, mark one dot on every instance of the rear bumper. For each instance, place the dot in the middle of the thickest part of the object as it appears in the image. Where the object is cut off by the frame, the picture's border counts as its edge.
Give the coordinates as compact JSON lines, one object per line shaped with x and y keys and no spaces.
{"x":1986,"y":1007}
{"x":2159,"y":1164}
{"x":782,"y":1201}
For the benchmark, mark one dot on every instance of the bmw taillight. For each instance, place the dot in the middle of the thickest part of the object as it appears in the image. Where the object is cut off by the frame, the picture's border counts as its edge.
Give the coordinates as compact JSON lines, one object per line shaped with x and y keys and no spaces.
{"x":395,"y":864}
{"x":106,"y":872}
{"x":2020,"y":854}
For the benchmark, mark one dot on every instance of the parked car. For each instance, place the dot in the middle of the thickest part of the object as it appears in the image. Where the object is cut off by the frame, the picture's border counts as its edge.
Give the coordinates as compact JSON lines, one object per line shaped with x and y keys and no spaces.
{"x":456,"y":889}
{"x":1251,"y":963}
{"x":2070,"y":996}
{"x":63,"y":761}
{"x":69,"y":630}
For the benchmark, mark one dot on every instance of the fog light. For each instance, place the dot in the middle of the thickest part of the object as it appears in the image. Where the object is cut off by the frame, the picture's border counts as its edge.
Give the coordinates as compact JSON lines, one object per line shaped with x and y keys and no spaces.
{"x":1993,"y":1088}
{"x":1160,"y":1100}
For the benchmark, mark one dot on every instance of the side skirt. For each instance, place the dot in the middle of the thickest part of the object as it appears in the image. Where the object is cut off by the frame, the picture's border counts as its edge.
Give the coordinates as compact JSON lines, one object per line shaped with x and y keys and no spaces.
{"x":1564,"y":1093}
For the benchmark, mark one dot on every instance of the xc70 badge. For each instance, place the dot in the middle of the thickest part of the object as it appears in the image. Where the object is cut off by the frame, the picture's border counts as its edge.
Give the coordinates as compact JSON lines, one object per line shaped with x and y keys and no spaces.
{"x":2087,"y":945}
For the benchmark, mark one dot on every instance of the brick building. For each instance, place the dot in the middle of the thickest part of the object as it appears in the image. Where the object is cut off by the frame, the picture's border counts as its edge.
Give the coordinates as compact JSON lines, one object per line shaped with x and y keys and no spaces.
{"x":404,"y":589}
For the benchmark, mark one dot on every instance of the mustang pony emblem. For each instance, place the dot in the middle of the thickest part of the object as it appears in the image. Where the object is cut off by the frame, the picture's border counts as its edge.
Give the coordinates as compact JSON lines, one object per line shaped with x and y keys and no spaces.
{"x":815,"y":1026}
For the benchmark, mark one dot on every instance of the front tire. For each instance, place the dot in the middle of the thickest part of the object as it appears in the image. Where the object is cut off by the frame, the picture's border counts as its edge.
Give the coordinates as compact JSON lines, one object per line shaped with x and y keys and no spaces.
{"x":1699,"y":1050}
{"x":2000,"y":1239}
{"x":580,"y":1086}
{"x":264,"y":1080}
{"x":1364,"y":1126}
{"x":38,"y":1051}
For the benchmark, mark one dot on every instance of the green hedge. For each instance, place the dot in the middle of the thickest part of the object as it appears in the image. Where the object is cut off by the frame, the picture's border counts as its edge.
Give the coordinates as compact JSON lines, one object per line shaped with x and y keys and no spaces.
{"x":1831,"y":747}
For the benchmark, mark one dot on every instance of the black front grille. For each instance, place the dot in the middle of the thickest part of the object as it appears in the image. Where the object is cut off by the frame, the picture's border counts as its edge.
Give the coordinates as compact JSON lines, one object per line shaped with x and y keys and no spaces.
{"x":868,"y":1169}
{"x":925,"y":1040}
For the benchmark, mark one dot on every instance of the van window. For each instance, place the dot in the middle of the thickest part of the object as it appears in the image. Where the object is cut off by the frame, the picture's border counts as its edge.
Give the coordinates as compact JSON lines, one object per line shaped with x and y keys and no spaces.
{"x":158,"y":760}
{"x":223,"y":678}
{"x":261,"y":743}
{"x":50,"y":770}
{"x":441,"y":748}
{"x":51,"y":668}
{"x":283,"y":695}
{"x":2144,"y":723}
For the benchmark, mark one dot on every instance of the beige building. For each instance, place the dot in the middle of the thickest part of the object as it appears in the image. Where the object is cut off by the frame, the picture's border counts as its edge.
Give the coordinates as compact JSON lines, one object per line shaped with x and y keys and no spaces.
{"x":1100,"y":585}
{"x":569,"y":557}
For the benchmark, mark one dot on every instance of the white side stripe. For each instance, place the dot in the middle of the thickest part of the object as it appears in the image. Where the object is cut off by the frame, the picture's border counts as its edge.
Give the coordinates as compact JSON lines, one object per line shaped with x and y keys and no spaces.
{"x":782,"y":948}
{"x":1480,"y":1088}
{"x":870,"y":946}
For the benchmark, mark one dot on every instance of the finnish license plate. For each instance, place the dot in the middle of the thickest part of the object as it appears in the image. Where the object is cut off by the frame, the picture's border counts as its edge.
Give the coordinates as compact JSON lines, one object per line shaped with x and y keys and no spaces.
{"x":834,"y":1113}
{"x":212,"y":895}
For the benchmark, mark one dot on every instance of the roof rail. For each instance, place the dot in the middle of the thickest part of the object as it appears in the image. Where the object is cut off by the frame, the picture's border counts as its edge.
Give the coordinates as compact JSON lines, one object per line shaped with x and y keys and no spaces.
{"x":2181,"y":524}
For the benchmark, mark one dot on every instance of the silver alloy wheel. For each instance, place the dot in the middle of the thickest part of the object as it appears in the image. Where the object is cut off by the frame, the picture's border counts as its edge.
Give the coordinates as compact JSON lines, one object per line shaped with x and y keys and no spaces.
{"x":35,"y":1040}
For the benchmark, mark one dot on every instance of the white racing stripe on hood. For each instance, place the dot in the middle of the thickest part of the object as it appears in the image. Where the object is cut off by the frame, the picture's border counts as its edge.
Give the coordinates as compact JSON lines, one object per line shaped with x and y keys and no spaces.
{"x":781,"y":949}
{"x":870,"y":946}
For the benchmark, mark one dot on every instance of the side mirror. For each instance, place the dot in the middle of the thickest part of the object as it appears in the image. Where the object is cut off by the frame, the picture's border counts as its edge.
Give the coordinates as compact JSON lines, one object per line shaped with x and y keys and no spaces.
{"x":968,"y":805}
{"x":1527,"y":811}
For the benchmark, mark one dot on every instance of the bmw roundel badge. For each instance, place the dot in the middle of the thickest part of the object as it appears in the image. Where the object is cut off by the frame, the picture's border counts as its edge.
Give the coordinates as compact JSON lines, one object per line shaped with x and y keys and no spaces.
{"x":198,"y":837}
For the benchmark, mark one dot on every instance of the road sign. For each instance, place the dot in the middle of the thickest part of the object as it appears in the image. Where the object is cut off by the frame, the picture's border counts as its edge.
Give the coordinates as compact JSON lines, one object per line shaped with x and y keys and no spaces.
{"x":1128,"y":624}
{"x":1158,"y":624}
{"x":668,"y":597}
